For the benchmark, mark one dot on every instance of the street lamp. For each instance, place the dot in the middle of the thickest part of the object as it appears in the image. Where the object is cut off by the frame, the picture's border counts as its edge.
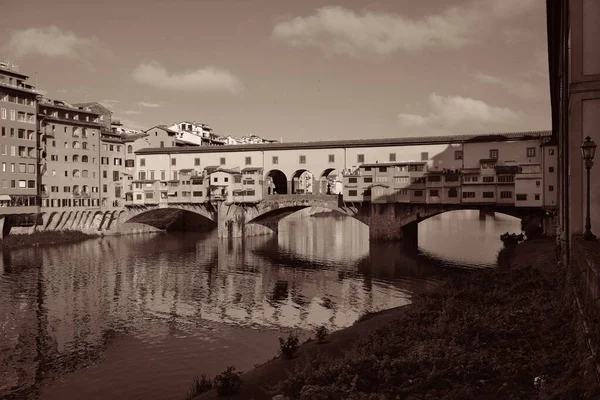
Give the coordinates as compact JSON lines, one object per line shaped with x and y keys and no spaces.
{"x":588,"y":150}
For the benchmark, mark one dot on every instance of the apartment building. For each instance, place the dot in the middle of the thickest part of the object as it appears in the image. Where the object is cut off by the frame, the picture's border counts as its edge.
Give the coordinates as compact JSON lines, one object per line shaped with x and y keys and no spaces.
{"x":248,"y":139}
{"x":18,"y":143}
{"x":69,"y":159}
{"x":194,"y":133}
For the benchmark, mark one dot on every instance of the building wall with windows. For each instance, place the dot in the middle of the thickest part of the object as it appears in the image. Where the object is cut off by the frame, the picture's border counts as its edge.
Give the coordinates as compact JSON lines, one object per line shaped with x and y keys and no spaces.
{"x":69,"y":162}
{"x":18,"y":144}
{"x":113,"y":181}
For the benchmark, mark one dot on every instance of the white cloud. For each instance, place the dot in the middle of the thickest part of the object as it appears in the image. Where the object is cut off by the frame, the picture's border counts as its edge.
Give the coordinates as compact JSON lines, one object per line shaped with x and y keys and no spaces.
{"x":456,"y":112}
{"x":110,"y":103}
{"x":339,"y":30}
{"x":208,"y":79}
{"x":130,"y":112}
{"x":525,"y":90}
{"x":148,"y":105}
{"x":50,"y":41}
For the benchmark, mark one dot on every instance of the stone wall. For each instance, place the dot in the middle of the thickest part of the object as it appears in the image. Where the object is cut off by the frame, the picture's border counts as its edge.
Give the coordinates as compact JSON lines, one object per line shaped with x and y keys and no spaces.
{"x":585,"y":265}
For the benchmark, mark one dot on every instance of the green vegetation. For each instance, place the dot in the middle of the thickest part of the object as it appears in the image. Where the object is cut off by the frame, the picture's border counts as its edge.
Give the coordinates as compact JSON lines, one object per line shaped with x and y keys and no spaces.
{"x":288,"y":346}
{"x":508,"y":333}
{"x":44,"y":238}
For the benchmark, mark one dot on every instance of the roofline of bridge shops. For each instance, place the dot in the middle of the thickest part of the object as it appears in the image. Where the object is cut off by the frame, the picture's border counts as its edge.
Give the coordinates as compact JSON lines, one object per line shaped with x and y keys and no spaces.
{"x":408,"y":141}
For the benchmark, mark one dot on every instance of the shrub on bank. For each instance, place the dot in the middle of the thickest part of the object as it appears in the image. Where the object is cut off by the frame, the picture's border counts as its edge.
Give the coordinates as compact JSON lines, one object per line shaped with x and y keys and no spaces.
{"x":43,"y":239}
{"x":321,"y":333}
{"x":199,"y":385}
{"x":228,"y":382}
{"x":288,"y":346}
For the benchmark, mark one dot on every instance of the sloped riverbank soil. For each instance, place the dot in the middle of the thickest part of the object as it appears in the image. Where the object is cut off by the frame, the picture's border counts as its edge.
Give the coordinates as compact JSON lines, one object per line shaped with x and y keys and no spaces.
{"x":43,"y":239}
{"x":509,"y":333}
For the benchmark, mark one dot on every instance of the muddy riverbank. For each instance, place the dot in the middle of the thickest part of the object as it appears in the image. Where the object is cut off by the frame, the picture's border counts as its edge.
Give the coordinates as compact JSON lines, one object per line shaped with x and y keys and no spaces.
{"x":510,"y":332}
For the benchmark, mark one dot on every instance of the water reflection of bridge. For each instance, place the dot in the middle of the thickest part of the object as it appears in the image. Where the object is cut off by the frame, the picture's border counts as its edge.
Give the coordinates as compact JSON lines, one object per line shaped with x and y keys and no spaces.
{"x":61,"y":304}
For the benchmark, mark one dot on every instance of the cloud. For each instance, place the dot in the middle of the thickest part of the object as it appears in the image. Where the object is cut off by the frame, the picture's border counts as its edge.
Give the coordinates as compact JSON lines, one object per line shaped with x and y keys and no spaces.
{"x":110,"y":103}
{"x":456,"y":112}
{"x":51,"y":41}
{"x":130,"y":112}
{"x":148,"y":105}
{"x":525,"y":90}
{"x":208,"y":79}
{"x":339,"y":30}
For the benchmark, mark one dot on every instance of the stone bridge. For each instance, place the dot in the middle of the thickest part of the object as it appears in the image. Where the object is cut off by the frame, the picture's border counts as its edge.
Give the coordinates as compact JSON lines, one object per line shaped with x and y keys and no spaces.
{"x":386,"y":221}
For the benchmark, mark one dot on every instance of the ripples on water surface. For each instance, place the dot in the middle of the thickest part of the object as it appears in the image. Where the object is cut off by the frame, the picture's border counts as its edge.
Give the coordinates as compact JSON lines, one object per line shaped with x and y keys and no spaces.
{"x":137,"y":317}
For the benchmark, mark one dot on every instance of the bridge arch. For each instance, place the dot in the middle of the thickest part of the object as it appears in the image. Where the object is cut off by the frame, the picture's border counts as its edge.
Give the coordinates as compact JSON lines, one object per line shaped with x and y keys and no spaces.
{"x":173,"y":218}
{"x":329,"y":181}
{"x":276,"y":182}
{"x":303,"y":181}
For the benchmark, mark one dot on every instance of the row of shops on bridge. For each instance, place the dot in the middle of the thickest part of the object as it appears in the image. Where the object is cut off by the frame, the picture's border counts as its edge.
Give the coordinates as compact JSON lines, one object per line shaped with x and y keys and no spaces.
{"x":520,"y":185}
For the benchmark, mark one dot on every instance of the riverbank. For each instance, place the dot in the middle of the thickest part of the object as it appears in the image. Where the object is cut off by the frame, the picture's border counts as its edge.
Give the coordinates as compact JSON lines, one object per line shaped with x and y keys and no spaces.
{"x":45,"y":238}
{"x":484,"y":334}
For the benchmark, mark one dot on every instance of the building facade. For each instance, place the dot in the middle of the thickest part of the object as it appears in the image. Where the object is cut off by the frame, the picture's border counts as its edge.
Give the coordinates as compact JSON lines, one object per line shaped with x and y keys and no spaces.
{"x":19,"y":143}
{"x":69,"y":158}
{"x":194,"y":133}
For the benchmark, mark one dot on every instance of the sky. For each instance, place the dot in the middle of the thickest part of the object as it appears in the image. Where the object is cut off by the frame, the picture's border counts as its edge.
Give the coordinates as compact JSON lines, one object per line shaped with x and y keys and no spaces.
{"x":291,"y":70}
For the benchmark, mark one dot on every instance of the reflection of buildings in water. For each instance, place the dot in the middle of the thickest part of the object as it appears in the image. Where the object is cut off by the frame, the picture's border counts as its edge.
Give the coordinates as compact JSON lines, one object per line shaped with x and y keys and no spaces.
{"x":340,"y":239}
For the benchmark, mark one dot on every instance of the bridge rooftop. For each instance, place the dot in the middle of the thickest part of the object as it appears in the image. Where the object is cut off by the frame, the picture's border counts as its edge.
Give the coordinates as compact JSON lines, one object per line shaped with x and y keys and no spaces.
{"x":401,"y":141}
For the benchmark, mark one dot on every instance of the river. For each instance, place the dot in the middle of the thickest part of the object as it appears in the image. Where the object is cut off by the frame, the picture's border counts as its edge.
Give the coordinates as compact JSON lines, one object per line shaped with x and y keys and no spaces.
{"x":136,"y":317}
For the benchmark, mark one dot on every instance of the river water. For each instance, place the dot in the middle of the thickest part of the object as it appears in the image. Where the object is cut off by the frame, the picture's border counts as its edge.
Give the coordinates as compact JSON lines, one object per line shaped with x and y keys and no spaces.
{"x":136,"y":317}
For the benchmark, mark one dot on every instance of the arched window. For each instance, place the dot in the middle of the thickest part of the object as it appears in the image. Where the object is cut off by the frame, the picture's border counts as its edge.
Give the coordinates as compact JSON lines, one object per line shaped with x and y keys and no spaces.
{"x":75,"y":173}
{"x":75,"y":189}
{"x":84,"y":173}
{"x":75,"y":144}
{"x":85,"y":189}
{"x":84,"y":145}
{"x":129,"y":149}
{"x":75,"y":158}
{"x":84,"y":158}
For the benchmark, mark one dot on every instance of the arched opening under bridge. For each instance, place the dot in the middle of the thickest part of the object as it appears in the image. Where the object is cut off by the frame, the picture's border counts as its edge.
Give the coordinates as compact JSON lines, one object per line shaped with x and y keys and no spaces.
{"x":174,"y":220}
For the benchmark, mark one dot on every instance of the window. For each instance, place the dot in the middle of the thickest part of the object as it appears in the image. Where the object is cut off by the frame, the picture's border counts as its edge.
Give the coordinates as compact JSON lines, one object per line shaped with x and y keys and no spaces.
{"x":434,"y":193}
{"x":12,"y":115}
{"x":248,"y":160}
{"x":434,"y":178}
{"x":551,"y":152}
{"x":505,"y":195}
{"x":149,"y":195}
{"x":468,"y":195}
{"x":226,"y":179}
{"x":162,"y":143}
{"x":488,"y":179}
{"x":129,"y":149}
{"x":238,"y":179}
{"x":458,"y":154}
{"x":352,"y":193}
{"x":494,"y":153}
{"x":537,"y":196}
{"x":84,"y":173}
{"x":531,"y":152}
{"x":506,"y":179}
{"x":129,"y":163}
{"x":352,"y":180}
{"x":173,"y":161}
{"x":424,"y":156}
{"x":142,"y":162}
{"x":521,"y":197}
{"x":452,"y":192}
{"x":302,"y":160}
{"x":118,"y":161}
{"x":368,"y":179}
{"x":275,"y":160}
{"x":3,"y":113}
{"x":418,"y":193}
{"x":222,"y":161}
{"x":115,"y":175}
{"x":331,"y":158}
{"x":537,"y":183}
{"x":551,"y":169}
{"x":392,"y":157}
{"x":197,"y":194}
{"x":381,"y":179}
{"x":196,"y":162}
{"x":488,"y":195}
{"x":360,"y":158}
